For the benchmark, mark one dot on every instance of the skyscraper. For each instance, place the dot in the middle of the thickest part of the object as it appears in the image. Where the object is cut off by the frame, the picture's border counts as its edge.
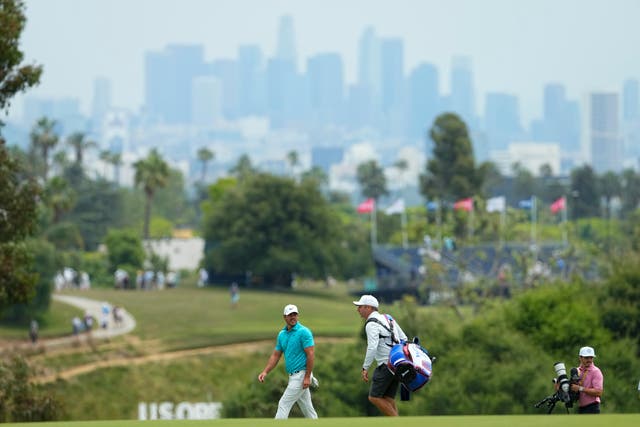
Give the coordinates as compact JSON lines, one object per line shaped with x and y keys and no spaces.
{"x":168,"y":77}
{"x":462,"y":99}
{"x":206,"y":99}
{"x":101,"y":102}
{"x":424,"y":99}
{"x":631,"y":100}
{"x":326,"y":84}
{"x":502,"y":120}
{"x":286,"y":46}
{"x":603,"y":133}
{"x":251,"y":90}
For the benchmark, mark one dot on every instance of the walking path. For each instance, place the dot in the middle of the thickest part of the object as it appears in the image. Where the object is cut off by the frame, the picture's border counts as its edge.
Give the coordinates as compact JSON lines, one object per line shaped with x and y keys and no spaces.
{"x":94,"y":308}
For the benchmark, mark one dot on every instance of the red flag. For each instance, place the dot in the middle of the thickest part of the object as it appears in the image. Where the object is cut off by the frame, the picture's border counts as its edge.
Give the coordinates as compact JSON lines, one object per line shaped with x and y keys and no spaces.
{"x":367,"y":206}
{"x":464,"y":204}
{"x":559,"y":205}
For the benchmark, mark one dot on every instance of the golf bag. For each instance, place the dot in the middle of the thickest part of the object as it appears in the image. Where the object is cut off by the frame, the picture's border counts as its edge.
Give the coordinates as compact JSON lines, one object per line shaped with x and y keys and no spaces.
{"x":411,"y":364}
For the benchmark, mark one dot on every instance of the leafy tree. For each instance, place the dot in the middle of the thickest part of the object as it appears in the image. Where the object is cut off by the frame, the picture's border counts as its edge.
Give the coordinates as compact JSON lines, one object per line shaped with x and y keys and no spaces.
{"x":272,"y":227}
{"x":450,"y":173}
{"x":584,"y":189}
{"x":125,"y":249}
{"x":20,"y":399}
{"x":373,"y":182}
{"x":630,"y":181}
{"x":151,"y":173}
{"x":98,"y":207}
{"x":610,"y":187}
{"x":18,"y":214}
{"x":524,"y":183}
{"x":492,"y":179}
{"x":15,"y":77}
{"x":205,"y":156}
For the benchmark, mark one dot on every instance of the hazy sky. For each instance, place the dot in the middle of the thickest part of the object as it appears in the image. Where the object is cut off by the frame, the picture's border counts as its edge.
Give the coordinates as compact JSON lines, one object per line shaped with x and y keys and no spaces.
{"x":516,"y":45}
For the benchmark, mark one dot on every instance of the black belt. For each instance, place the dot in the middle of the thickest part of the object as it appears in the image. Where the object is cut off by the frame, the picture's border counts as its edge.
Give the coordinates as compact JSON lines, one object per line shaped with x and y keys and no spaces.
{"x":295,"y":372}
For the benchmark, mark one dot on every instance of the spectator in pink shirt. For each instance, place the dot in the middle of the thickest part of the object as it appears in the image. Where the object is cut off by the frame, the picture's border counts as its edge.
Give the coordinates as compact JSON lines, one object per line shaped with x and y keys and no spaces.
{"x":591,"y":384}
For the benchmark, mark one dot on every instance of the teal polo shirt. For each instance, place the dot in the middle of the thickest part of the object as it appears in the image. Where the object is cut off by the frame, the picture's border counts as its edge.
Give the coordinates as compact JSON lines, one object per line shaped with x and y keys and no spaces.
{"x":292,"y":344}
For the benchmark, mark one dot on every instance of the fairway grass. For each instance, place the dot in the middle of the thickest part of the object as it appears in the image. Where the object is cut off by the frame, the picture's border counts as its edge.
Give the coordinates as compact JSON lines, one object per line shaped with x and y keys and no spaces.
{"x":556,"y":420}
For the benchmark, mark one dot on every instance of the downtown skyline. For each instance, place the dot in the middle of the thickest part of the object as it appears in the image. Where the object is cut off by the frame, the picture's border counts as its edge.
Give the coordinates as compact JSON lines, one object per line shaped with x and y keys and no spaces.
{"x":514,"y":48}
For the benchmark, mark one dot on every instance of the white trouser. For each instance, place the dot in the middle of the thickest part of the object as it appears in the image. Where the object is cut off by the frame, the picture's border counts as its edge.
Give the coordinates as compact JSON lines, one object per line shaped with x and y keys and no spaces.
{"x":294,"y":393}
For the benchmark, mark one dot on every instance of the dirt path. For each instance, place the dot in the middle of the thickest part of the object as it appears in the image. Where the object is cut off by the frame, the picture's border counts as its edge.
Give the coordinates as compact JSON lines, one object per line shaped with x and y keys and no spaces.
{"x":75,"y":343}
{"x":226,"y":350}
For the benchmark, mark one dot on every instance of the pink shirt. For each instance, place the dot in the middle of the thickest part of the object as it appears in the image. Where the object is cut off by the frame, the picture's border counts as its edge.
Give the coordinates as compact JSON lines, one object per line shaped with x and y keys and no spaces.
{"x":592,"y":379}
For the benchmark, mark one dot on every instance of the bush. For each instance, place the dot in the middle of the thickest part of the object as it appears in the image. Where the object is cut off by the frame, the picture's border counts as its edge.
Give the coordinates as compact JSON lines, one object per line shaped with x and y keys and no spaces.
{"x":22,"y":401}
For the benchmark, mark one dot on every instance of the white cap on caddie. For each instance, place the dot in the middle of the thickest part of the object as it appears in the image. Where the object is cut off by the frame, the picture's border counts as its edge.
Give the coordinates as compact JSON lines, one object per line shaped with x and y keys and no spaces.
{"x":367,"y":300}
{"x":290,"y":308}
{"x":587,"y":352}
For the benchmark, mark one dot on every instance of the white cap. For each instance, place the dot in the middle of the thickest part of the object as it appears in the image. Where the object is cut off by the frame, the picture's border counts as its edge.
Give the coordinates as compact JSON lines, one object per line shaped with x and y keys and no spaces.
{"x":367,"y":300}
{"x":290,"y":308}
{"x":587,"y":352}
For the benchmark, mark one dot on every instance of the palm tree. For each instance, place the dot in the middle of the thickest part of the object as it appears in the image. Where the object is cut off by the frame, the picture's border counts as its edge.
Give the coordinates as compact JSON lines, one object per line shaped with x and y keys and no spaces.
{"x":205,"y":156}
{"x":113,"y":159}
{"x":43,"y":139}
{"x":243,"y":168}
{"x":79,"y":144}
{"x":293,"y":160}
{"x":151,"y":173}
{"x":60,"y":197}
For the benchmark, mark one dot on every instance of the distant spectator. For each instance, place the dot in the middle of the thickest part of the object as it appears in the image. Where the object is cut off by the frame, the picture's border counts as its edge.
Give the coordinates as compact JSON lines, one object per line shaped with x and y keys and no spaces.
{"x":117,"y":315}
{"x":235,"y":294}
{"x":104,"y":319}
{"x":85,"y":282}
{"x":77,"y":325}
{"x":203,"y":277}
{"x":160,"y":279}
{"x":88,"y":321}
{"x":172,"y":279}
{"x":33,"y":331}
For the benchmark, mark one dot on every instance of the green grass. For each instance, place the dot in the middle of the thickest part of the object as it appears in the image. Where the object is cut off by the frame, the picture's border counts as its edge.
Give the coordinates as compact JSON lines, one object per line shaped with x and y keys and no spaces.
{"x":57,"y":322}
{"x":618,"y":420}
{"x":189,"y":318}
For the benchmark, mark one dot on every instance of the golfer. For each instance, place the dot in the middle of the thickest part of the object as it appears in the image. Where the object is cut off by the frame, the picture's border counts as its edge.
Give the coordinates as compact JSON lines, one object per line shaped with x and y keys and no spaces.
{"x":296,"y":342}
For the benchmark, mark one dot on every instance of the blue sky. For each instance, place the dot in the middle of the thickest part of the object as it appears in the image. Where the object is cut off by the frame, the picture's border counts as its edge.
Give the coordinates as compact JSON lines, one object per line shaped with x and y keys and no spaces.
{"x":516,"y":45}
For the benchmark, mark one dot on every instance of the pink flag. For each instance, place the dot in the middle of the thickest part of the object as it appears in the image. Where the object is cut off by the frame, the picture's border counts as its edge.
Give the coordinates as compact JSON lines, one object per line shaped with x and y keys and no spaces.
{"x":367,"y":206}
{"x":464,"y":204}
{"x":559,"y":205}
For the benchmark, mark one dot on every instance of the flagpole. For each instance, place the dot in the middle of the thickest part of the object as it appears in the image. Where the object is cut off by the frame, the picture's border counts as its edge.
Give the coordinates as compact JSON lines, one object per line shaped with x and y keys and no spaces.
{"x":403,"y":224}
{"x":439,"y":222}
{"x":503,"y":214}
{"x":374,"y":234}
{"x":565,"y":239}
{"x":533,"y":219}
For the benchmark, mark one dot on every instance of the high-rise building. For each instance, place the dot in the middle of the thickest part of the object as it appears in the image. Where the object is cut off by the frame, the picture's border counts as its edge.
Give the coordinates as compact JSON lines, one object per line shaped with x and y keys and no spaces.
{"x":602,"y":132}
{"x":462,"y":98}
{"x":631,"y":121}
{"x":631,"y":100}
{"x":326,"y":86}
{"x":369,"y":66}
{"x":392,"y":73}
{"x":423,"y":100}
{"x":502,"y":120}
{"x":101,"y":102}
{"x":286,"y":45}
{"x":206,"y":100}
{"x":251,"y":89}
{"x":168,"y":77}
